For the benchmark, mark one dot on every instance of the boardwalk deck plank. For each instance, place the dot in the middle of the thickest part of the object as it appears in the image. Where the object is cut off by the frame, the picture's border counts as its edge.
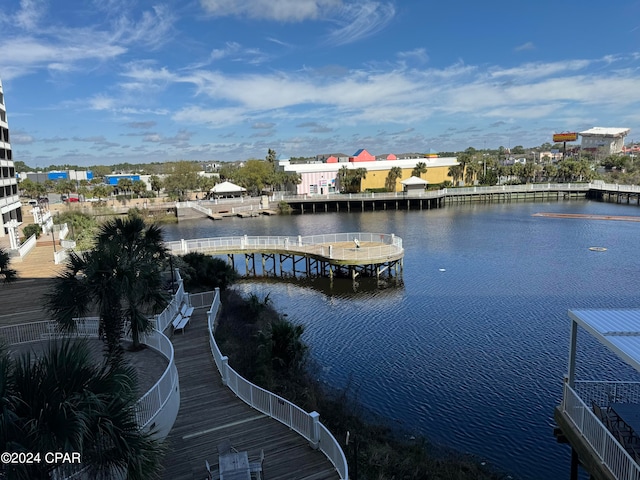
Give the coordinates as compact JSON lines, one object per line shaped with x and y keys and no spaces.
{"x":210,"y":413}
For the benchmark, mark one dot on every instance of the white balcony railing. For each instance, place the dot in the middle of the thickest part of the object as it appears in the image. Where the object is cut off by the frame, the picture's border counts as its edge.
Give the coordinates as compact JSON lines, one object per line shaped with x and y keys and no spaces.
{"x":305,"y":424}
{"x":388,"y":245}
{"x":607,"y":448}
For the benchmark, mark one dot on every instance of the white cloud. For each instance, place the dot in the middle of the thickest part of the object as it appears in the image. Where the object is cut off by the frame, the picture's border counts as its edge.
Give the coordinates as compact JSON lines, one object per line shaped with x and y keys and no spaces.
{"x":59,"y":48}
{"x":279,"y":10}
{"x":525,"y":46}
{"x":30,"y":13}
{"x":400,"y":95}
{"x":417,"y":55}
{"x":359,"y":20}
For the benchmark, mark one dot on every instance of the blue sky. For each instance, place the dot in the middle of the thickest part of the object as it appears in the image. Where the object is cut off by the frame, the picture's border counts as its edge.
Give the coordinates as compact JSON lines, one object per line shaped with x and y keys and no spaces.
{"x":109,"y":81}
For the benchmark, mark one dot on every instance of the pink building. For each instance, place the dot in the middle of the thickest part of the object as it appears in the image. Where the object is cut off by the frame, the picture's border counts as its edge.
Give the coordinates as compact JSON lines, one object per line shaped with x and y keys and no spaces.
{"x":362,"y":156}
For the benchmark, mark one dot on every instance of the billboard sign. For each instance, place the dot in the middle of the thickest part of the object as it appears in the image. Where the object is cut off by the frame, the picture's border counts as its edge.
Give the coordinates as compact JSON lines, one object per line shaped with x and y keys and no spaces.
{"x":565,"y":137}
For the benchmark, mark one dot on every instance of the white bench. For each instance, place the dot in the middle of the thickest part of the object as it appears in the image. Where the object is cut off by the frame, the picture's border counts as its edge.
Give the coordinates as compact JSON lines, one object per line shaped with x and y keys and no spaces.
{"x":180,"y":322}
{"x":186,"y":310}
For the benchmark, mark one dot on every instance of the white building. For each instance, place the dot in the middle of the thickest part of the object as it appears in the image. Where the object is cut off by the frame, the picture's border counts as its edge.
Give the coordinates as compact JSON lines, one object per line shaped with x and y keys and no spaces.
{"x":604,"y":141}
{"x":9,"y":199}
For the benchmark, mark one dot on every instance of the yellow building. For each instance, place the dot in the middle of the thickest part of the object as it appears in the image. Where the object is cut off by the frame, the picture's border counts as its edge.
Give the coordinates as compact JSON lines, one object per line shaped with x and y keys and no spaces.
{"x":436,"y":173}
{"x":322,"y":178}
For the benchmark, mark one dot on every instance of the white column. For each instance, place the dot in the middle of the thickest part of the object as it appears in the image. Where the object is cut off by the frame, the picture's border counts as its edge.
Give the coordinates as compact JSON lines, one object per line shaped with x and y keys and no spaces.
{"x":571,"y":372}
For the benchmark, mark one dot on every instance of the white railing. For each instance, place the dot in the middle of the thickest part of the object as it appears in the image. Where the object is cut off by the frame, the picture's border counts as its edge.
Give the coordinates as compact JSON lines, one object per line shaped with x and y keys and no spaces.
{"x":306,"y":424}
{"x":610,"y":452}
{"x":68,"y":244}
{"x":310,"y":245}
{"x":606,"y":393}
{"x":60,"y":256}
{"x":411,"y":194}
{"x":164,"y":319}
{"x":615,"y":187}
{"x":27,"y":245}
{"x":64,"y":231}
{"x":201,"y":300}
{"x":152,"y":402}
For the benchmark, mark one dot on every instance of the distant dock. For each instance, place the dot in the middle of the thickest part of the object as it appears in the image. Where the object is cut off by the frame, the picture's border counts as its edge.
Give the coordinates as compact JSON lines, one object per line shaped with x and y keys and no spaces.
{"x":622,"y":218}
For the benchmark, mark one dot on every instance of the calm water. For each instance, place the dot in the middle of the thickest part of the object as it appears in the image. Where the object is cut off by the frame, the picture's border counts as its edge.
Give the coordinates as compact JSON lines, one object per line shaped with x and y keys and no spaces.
{"x":473,"y":356}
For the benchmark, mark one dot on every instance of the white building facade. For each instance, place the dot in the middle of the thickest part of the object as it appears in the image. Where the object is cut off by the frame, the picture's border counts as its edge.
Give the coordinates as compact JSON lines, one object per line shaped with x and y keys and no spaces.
{"x":603,"y":140}
{"x":9,"y":198}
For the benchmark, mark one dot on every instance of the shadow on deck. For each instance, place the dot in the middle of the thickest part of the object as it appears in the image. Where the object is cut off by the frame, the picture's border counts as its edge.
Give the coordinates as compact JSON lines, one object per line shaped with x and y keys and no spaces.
{"x":210,"y":413}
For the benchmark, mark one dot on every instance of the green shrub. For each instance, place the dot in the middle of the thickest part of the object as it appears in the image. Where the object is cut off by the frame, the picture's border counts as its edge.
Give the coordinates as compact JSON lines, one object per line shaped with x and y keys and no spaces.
{"x":32,"y":229}
{"x":284,"y":208}
{"x":204,"y":271}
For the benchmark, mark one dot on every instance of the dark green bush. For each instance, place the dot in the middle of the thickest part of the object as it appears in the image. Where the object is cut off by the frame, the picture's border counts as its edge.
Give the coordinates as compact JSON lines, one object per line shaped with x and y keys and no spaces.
{"x":31,"y":229}
{"x":206,"y":272}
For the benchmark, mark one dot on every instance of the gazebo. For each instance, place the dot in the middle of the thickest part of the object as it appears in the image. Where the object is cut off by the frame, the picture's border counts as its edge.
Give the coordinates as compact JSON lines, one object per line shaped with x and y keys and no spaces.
{"x":227,"y":189}
{"x":414,"y":184}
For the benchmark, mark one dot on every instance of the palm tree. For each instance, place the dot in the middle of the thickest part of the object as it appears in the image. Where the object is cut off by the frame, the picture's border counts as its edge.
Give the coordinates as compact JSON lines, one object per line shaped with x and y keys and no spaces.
{"x":63,"y":401}
{"x":359,"y":174}
{"x":419,"y":169}
{"x":392,"y":177}
{"x":8,"y":273}
{"x":343,"y":175}
{"x":282,"y":345}
{"x":456,"y":173}
{"x":120,"y":278}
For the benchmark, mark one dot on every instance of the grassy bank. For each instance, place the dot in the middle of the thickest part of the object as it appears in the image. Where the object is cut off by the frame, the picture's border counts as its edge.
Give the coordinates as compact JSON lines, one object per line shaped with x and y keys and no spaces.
{"x":267,"y":349}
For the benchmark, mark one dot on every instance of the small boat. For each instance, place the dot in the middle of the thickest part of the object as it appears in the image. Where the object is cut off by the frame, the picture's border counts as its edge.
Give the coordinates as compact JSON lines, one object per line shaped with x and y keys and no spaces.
{"x":598,"y":249}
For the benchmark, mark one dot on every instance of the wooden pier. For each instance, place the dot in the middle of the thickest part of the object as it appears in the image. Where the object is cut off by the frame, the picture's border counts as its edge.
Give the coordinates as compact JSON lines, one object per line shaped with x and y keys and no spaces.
{"x":210,"y":413}
{"x":349,"y":255}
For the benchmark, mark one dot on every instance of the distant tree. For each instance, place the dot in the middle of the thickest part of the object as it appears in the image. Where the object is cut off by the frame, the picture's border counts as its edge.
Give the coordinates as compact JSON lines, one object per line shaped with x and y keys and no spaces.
{"x":271,"y":157}
{"x":29,"y":188}
{"x":518,"y":150}
{"x":255,"y":176}
{"x":138,"y":187}
{"x":102,"y":191}
{"x":125,"y":185}
{"x":456,"y":172}
{"x":205,"y":183}
{"x":419,"y":169}
{"x":618,"y":162}
{"x":358,"y":175}
{"x":228,"y":172}
{"x":182,"y":180}
{"x":392,"y":178}
{"x":101,"y":171}
{"x":286,"y":181}
{"x":472,"y":171}
{"x":156,"y":183}
{"x":65,"y":186}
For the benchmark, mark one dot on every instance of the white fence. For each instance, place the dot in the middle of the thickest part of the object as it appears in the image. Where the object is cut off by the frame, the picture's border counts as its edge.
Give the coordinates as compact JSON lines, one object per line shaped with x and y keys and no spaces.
{"x":306,"y":424}
{"x":27,"y":245}
{"x":529,"y":187}
{"x":606,"y":393}
{"x":164,"y":319}
{"x":608,"y":449}
{"x":151,"y":403}
{"x":314,"y":245}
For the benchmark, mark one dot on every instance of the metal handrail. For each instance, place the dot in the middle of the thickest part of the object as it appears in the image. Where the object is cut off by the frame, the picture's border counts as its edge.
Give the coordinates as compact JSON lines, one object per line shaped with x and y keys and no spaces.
{"x":320,"y":245}
{"x":305,"y":424}
{"x":607,"y":448}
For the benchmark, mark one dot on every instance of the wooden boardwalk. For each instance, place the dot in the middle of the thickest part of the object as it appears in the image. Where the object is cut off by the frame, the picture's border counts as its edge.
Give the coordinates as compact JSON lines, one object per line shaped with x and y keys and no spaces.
{"x":210,"y":413}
